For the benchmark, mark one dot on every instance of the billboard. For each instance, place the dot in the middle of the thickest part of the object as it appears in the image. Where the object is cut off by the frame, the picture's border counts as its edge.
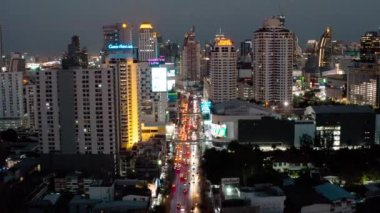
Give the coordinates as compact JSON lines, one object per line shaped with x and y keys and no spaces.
{"x":159,"y":79}
{"x":219,"y":130}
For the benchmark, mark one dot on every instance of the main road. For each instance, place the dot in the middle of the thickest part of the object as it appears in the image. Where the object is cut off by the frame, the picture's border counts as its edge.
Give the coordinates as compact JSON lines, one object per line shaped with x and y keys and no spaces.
{"x":185,"y":190}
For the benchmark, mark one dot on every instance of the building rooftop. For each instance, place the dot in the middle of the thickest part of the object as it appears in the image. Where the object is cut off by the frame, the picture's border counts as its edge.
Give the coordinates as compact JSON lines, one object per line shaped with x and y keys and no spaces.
{"x":238,"y":107}
{"x":146,"y":25}
{"x":327,"y":109}
{"x":332,"y":192}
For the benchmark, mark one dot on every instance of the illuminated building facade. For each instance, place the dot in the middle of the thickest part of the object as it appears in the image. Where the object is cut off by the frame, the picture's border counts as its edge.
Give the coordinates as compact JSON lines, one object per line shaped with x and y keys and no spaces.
{"x":191,"y":57}
{"x":223,"y":71}
{"x":273,"y":63}
{"x":370,"y":47}
{"x":119,"y":33}
{"x":127,"y":84}
{"x":363,"y":85}
{"x":147,"y":42}
{"x":325,"y":50}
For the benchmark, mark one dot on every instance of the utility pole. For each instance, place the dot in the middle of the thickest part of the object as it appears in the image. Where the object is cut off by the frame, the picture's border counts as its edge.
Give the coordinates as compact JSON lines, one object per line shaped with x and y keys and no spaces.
{"x":1,"y":47}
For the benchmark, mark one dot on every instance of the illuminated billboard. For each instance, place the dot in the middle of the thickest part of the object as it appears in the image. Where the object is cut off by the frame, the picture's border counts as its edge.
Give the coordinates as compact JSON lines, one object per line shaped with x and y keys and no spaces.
{"x":219,"y":130}
{"x":159,"y":79}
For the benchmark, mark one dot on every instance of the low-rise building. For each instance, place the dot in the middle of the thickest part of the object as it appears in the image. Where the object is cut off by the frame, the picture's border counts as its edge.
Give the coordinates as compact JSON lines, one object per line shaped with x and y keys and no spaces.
{"x":269,"y":199}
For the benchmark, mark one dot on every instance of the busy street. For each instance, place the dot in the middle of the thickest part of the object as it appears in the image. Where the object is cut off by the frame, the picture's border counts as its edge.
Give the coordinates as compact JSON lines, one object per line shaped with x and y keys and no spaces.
{"x":185,"y":190}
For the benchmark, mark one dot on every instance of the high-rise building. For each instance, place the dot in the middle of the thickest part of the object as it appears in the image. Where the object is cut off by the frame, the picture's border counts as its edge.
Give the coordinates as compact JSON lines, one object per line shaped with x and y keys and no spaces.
{"x":272,"y":63}
{"x":325,"y":50}
{"x":191,"y":57}
{"x":370,"y":47}
{"x":11,"y":100}
{"x":127,"y":107}
{"x":119,"y":33}
{"x":363,"y":85}
{"x":75,"y":57}
{"x":223,"y":71}
{"x":148,"y":46}
{"x":17,"y":63}
{"x":246,"y":51}
{"x":76,"y":111}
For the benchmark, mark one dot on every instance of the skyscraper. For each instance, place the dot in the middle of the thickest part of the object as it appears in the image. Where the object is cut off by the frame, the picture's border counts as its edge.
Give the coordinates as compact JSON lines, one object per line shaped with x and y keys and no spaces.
{"x":119,"y":33}
{"x":223,"y":71}
{"x":191,"y":57}
{"x":75,"y":57}
{"x":272,"y":63}
{"x":148,"y":47}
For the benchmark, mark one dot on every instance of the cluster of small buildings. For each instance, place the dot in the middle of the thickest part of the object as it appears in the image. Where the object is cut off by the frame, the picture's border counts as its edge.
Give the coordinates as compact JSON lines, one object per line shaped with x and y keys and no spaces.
{"x":294,"y":197}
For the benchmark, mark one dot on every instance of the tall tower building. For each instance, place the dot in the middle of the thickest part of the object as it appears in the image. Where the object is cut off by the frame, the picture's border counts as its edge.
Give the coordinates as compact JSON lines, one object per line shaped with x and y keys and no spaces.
{"x":148,"y":47}
{"x":223,"y":71}
{"x":191,"y":57}
{"x":119,"y":33}
{"x":272,"y":63}
{"x":76,"y":111}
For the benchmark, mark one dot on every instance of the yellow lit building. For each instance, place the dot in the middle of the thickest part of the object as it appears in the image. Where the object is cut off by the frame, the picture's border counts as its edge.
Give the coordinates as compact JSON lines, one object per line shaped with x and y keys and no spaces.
{"x":128,"y":101}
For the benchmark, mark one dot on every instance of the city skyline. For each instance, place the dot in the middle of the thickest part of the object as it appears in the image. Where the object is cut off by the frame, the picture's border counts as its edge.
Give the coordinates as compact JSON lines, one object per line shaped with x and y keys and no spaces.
{"x":49,"y":28}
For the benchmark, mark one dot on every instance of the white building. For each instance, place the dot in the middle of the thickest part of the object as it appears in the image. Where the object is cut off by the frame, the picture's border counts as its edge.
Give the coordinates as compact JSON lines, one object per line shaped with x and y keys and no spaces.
{"x":148,"y":47}
{"x":95,"y":116}
{"x":273,"y":63}
{"x":76,"y":111}
{"x":223,"y":71}
{"x":11,"y":100}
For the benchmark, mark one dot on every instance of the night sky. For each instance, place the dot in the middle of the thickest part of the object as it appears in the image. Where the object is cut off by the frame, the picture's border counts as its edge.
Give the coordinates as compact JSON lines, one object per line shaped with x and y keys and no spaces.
{"x":45,"y":26}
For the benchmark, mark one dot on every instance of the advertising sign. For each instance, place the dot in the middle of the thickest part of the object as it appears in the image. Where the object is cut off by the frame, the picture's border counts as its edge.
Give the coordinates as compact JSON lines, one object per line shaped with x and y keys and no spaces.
{"x":159,"y":79}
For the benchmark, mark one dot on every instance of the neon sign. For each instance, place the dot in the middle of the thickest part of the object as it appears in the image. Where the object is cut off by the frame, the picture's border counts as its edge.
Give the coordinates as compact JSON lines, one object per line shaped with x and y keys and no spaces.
{"x":120,"y":46}
{"x":157,"y":61}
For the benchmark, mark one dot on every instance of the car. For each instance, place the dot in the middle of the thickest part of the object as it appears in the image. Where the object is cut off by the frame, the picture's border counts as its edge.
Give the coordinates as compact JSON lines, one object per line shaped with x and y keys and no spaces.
{"x":182,"y":209}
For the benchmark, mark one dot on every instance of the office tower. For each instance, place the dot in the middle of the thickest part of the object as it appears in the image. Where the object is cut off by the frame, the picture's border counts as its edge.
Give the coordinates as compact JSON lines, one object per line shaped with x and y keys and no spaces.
{"x":11,"y":100}
{"x":223,"y":71}
{"x":191,"y":57}
{"x":170,"y":51}
{"x":76,"y":111}
{"x":119,"y":33}
{"x":325,"y":51}
{"x":17,"y":63}
{"x":272,"y":63}
{"x":148,"y":47}
{"x":75,"y":57}
{"x":370,"y":47}
{"x":246,"y":51}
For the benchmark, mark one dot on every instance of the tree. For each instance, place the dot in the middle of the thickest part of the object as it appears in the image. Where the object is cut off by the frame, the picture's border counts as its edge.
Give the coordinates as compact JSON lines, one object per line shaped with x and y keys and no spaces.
{"x":9,"y":135}
{"x":306,"y":142}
